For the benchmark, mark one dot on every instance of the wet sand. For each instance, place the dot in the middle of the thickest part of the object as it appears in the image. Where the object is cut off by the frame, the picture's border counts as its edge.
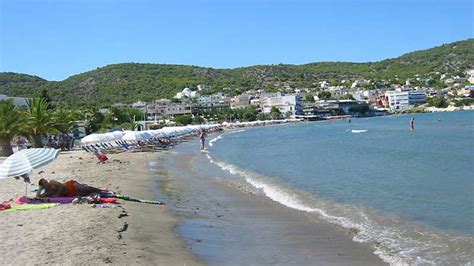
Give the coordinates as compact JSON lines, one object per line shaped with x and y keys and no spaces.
{"x":127,"y":234}
{"x":207,"y":221}
{"x":227,"y":225}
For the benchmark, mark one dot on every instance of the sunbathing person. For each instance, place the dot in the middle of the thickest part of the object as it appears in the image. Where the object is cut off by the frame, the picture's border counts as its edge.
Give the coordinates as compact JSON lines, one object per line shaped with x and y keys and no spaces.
{"x":70,"y":188}
{"x":51,"y":189}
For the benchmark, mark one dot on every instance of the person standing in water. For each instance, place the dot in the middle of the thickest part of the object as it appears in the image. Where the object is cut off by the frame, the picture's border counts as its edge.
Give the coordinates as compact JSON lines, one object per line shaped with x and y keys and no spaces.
{"x":412,"y":124}
{"x":202,"y":138}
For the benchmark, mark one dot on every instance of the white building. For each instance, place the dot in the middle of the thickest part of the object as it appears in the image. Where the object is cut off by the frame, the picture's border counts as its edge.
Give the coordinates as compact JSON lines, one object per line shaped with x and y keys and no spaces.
{"x":168,"y":109}
{"x":213,"y":100}
{"x":285,"y":104}
{"x":140,"y":106}
{"x":203,"y":87}
{"x":187,"y":93}
{"x":400,"y":100}
{"x":324,"y":84}
{"x":366,"y":96}
{"x":470,"y":72}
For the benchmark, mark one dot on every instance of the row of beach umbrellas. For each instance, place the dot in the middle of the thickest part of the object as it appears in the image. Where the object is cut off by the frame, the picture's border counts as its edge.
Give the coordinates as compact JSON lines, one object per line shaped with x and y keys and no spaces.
{"x":146,"y":134}
{"x":24,"y":161}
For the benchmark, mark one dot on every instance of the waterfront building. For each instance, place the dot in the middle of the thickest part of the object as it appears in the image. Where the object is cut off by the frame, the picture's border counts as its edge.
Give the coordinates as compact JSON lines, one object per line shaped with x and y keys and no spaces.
{"x":240,"y":101}
{"x":285,"y":104}
{"x":401,"y":100}
{"x":165,"y":108}
{"x":368,"y":96}
{"x":214,"y":100}
{"x":354,"y":108}
{"x":339,"y":107}
{"x":206,"y":103}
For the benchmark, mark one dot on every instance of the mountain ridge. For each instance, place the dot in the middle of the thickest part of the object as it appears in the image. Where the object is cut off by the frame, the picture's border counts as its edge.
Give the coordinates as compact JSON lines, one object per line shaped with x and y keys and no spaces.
{"x":129,"y":82}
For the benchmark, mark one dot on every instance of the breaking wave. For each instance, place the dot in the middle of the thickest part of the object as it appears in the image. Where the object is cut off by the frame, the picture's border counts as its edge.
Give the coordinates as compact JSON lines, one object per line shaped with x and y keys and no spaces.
{"x":394,"y":241}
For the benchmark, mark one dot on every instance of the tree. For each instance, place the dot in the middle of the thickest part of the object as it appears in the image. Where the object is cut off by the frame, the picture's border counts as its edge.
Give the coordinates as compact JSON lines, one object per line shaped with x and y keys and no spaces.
{"x":262,"y":116}
{"x":198,"y":120}
{"x":183,"y":120}
{"x":438,"y":102}
{"x":63,"y":119}
{"x":43,"y":94}
{"x":325,"y":95}
{"x":309,"y":98}
{"x":249,"y":114}
{"x":93,"y":120}
{"x":348,"y":97}
{"x":40,"y":121}
{"x":11,"y":125}
{"x":275,"y":113}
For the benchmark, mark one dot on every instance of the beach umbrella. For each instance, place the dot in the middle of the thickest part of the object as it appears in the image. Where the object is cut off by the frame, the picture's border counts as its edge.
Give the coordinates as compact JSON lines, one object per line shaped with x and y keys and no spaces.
{"x":92,"y":138}
{"x":25,"y":161}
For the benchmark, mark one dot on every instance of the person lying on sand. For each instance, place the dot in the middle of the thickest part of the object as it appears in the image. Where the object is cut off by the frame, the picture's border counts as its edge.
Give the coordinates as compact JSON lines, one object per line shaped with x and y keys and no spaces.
{"x":70,"y":188}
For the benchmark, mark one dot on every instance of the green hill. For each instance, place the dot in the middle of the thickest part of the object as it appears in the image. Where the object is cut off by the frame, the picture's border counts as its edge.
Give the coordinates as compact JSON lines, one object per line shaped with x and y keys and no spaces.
{"x":131,"y":82}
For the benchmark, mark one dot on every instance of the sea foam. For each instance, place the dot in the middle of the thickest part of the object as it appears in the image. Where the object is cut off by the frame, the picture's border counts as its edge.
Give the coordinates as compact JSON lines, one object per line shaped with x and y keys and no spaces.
{"x":391,"y":243}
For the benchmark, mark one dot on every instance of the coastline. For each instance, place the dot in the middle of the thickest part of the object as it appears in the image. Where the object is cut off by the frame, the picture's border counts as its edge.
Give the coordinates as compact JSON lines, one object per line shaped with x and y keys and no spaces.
{"x":225,"y":224}
{"x":126,"y":233}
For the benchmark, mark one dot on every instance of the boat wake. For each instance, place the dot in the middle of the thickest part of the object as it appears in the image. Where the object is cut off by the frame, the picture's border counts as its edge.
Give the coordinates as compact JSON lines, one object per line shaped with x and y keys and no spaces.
{"x":356,"y":131}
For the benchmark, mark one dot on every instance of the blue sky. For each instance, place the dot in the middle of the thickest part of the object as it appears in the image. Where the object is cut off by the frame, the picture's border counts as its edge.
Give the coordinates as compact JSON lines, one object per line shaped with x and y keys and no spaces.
{"x":58,"y":38}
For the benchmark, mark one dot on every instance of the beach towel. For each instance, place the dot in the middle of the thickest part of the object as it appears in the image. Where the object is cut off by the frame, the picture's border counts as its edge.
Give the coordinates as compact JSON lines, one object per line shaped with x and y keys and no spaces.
{"x":4,"y":206}
{"x":108,"y":200}
{"x":60,"y":200}
{"x":128,"y":198}
{"x":65,"y":200}
{"x":27,"y":207}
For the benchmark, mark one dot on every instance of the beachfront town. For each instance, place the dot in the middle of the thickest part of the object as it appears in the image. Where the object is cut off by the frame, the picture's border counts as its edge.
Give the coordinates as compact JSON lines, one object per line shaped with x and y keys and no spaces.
{"x":358,"y":98}
{"x":326,"y":101}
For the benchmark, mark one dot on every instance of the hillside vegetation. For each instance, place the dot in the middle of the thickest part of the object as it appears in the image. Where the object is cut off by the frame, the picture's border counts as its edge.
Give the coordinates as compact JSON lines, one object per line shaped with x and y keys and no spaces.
{"x":131,"y":81}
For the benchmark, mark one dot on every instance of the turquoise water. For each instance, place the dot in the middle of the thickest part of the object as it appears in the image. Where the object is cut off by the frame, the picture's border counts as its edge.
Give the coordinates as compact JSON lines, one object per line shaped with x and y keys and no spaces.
{"x":410,"y":193}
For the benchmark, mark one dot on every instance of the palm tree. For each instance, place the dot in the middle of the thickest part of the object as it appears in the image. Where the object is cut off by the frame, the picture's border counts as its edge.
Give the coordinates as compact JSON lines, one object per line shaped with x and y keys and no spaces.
{"x":11,"y":125}
{"x":63,"y":119}
{"x":40,"y":120}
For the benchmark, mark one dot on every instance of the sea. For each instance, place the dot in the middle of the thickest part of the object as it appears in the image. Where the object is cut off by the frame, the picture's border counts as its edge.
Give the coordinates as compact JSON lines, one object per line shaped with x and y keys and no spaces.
{"x":408,"y":193}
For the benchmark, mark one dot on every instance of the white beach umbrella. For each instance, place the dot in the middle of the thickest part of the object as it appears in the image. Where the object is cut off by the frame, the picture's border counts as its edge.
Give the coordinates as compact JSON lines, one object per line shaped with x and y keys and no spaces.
{"x":25,"y":161}
{"x":131,"y":136}
{"x":92,"y":138}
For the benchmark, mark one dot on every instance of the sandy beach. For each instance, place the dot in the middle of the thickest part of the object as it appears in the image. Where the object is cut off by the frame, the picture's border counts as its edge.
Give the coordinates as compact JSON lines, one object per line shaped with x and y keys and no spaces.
{"x":127,"y":233}
{"x":206,"y":221}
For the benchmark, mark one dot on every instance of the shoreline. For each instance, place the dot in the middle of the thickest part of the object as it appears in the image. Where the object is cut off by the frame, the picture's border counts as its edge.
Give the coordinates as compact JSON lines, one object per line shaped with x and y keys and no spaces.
{"x":224,"y":224}
{"x":438,"y":237}
{"x":126,"y":233}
